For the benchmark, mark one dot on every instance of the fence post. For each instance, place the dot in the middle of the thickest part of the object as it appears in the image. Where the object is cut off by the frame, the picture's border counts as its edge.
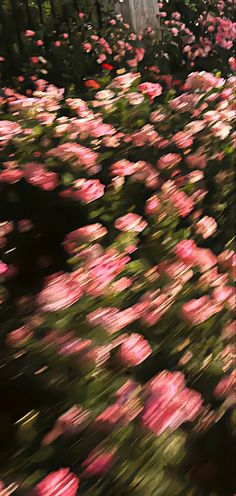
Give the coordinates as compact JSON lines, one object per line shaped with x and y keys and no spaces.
{"x":140,"y":13}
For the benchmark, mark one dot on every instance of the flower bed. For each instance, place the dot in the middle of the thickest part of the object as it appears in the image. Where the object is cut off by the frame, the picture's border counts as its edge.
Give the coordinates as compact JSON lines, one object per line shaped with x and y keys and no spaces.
{"x":118,"y":218}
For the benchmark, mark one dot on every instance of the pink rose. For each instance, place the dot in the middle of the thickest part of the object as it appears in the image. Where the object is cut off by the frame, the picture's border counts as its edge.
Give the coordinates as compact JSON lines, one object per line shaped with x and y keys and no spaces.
{"x":3,"y":268}
{"x":60,"y":483}
{"x":8,"y":129}
{"x":60,"y":291}
{"x":18,"y":336}
{"x":87,"y":47}
{"x":140,"y":54}
{"x":226,"y":387}
{"x":222,"y":294}
{"x":183,"y":139}
{"x":199,"y":310}
{"x":134,"y":350}
{"x":88,"y":190}
{"x":151,"y":89}
{"x":196,"y":160}
{"x":162,"y":412}
{"x":166,"y":384}
{"x":232,"y":63}
{"x":130,"y":222}
{"x":11,"y":176}
{"x":153,"y":205}
{"x":86,"y":234}
{"x":205,"y":259}
{"x":29,"y":33}
{"x":36,"y":175}
{"x":98,"y":462}
{"x":168,"y":161}
{"x":112,"y":415}
{"x":206,"y":226}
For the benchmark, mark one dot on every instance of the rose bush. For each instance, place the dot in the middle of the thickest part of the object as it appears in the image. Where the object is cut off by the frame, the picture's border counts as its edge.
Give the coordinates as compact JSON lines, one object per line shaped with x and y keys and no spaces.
{"x":118,"y":263}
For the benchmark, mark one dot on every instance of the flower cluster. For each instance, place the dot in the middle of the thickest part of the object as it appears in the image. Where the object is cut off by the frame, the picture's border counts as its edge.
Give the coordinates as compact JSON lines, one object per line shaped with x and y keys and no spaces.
{"x":117,"y":263}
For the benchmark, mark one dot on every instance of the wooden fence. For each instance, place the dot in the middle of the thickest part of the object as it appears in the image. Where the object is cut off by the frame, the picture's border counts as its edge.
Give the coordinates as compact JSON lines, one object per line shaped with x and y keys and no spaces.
{"x":47,"y":17}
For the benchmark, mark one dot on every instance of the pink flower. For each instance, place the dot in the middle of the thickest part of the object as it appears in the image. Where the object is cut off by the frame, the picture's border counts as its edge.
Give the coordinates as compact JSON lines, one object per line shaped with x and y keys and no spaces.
{"x":153,"y":205}
{"x":98,"y":462}
{"x":196,"y":160}
{"x":60,"y":291}
{"x":206,"y":226}
{"x":168,"y":161}
{"x":166,"y":384}
{"x":36,"y":175}
{"x":103,"y":270}
{"x":204,"y":81}
{"x":229,"y":331}
{"x":183,"y":139}
{"x":3,"y":268}
{"x":80,"y":155}
{"x":199,"y":310}
{"x":60,"y":483}
{"x":112,"y":415}
{"x":112,"y":319}
{"x":170,"y":404}
{"x":29,"y":33}
{"x":205,"y":259}
{"x":175,"y":31}
{"x":134,"y":350}
{"x":86,"y":234}
{"x":87,"y":47}
{"x":34,"y":60}
{"x":232,"y":63}
{"x":88,"y":190}
{"x":132,"y":62}
{"x":226,"y":387}
{"x":186,"y":250}
{"x":18,"y":336}
{"x":8,"y":130}
{"x":65,"y":36}
{"x":140,"y":54}
{"x":130,"y":222}
{"x":151,"y":89}
{"x":183,"y":203}
{"x":57,"y":43}
{"x":11,"y":176}
{"x":39,"y":43}
{"x":223,"y":294}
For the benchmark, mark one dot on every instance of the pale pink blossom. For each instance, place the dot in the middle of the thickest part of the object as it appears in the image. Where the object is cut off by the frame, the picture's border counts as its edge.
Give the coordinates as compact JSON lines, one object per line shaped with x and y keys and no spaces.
{"x":131,"y":222}
{"x":199,"y":310}
{"x":152,"y":90}
{"x":60,"y":483}
{"x":86,"y":234}
{"x":88,"y":190}
{"x":59,"y":291}
{"x":168,"y":161}
{"x":134,"y":350}
{"x":98,"y":462}
{"x":206,"y":226}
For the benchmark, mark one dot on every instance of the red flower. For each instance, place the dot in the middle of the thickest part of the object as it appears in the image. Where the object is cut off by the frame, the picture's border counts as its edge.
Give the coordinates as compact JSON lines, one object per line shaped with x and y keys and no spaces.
{"x":60,"y":483}
{"x":34,"y":60}
{"x":108,"y":67}
{"x":90,"y":83}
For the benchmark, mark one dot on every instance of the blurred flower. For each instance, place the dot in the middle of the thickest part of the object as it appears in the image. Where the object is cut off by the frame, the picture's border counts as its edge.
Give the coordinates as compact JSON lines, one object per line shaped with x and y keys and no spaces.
{"x":130,"y":222}
{"x":88,"y":190}
{"x":98,"y":462}
{"x":134,"y":350}
{"x":60,"y":291}
{"x":60,"y":483}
